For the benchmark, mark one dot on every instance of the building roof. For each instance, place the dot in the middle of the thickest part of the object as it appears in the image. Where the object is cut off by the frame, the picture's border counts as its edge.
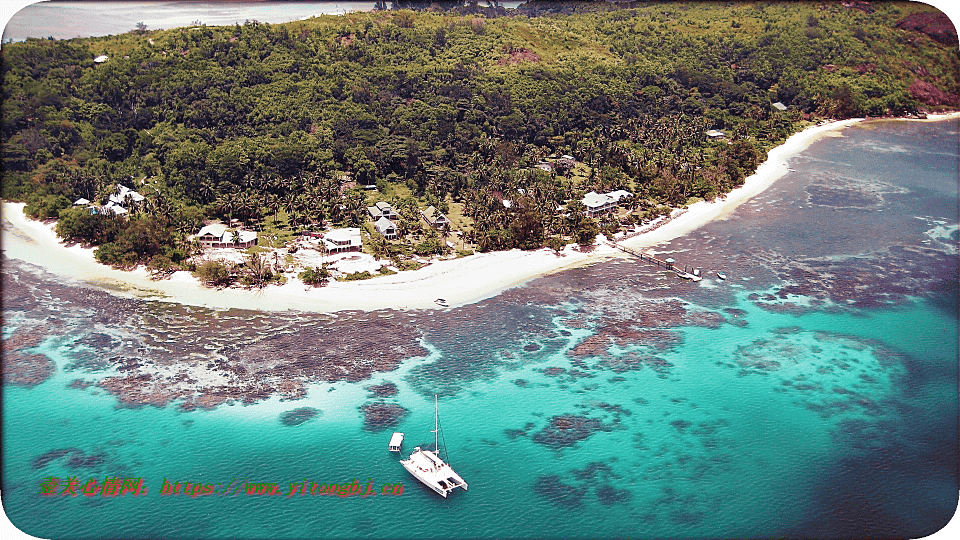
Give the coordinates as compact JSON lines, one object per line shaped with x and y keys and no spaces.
{"x":100,"y":59}
{"x":82,"y":201}
{"x":123,"y":193}
{"x":215,"y":229}
{"x":222,"y":232}
{"x":779,"y":106}
{"x":715,"y":133}
{"x":432,"y":214}
{"x":115,"y":208}
{"x":340,"y":237}
{"x":246,"y":236}
{"x":594,"y":199}
{"x":380,"y":209}
{"x":383,"y":224}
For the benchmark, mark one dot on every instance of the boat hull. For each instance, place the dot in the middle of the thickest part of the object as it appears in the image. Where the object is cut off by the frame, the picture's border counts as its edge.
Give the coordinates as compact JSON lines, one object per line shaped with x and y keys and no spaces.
{"x":432,"y":472}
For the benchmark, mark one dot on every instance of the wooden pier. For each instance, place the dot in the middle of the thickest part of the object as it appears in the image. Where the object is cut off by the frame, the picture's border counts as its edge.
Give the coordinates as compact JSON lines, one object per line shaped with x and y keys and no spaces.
{"x":668,"y":264}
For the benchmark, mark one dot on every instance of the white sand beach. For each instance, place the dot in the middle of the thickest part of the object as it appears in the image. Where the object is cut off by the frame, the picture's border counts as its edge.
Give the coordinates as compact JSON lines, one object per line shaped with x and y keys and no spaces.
{"x":458,"y":281}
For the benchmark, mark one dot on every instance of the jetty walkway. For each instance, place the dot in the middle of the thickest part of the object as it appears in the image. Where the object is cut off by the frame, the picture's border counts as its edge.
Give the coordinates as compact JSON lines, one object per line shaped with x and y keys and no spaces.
{"x":668,"y":264}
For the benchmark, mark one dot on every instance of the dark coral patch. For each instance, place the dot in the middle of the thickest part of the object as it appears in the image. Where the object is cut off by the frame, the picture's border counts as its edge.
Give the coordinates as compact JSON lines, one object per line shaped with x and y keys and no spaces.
{"x":610,"y":495}
{"x":26,"y":369}
{"x":77,"y":460}
{"x":567,"y":429}
{"x":298,"y":416}
{"x":616,"y":409}
{"x":80,"y":461}
{"x":387,"y":389}
{"x":381,"y":416}
{"x":97,"y":340}
{"x":41,"y":461}
{"x":559,"y":494}
{"x":589,"y":473}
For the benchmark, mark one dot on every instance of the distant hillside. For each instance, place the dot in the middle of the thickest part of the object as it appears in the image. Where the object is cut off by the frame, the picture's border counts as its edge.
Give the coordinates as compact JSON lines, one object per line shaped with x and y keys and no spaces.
{"x":455,"y":107}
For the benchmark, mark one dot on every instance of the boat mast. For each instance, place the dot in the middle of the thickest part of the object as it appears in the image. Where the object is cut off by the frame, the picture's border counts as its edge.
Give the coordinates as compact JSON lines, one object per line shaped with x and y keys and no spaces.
{"x":436,"y":425}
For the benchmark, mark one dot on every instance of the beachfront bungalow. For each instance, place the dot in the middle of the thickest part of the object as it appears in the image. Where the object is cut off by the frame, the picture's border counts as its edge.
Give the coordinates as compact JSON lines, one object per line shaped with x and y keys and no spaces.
{"x":434,"y":218}
{"x":101,"y":59}
{"x":81,"y":202}
{"x":342,"y":240}
{"x":600,"y":203}
{"x":113,"y":208}
{"x":716,"y":134}
{"x":218,"y":235}
{"x":126,"y":196}
{"x":386,"y":228}
{"x":779,"y":106}
{"x":545,"y":166}
{"x":381,"y":210}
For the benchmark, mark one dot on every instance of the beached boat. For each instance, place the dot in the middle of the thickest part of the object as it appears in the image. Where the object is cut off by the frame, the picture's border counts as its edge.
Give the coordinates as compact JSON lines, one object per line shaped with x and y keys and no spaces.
{"x":721,"y":275}
{"x":427,"y":467}
{"x":685,"y":275}
{"x":441,"y":302}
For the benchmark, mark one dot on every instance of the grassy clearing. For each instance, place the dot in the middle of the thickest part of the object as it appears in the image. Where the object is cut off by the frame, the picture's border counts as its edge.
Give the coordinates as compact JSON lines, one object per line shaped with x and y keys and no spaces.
{"x":279,"y":228}
{"x":458,"y":221}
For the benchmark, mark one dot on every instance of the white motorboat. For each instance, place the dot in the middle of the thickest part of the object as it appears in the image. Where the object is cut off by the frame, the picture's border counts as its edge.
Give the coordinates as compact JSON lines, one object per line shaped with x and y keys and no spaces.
{"x":396,"y":441}
{"x":427,"y":466}
{"x":685,"y":275}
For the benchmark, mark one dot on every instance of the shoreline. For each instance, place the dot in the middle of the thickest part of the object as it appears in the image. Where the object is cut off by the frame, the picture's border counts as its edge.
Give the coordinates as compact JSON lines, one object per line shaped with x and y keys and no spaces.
{"x":460,"y":281}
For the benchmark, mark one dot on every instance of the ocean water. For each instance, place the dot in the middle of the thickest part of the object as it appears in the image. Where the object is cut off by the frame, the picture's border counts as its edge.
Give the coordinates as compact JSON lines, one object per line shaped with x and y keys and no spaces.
{"x":70,"y":19}
{"x":67,"y":20}
{"x":813,"y":393}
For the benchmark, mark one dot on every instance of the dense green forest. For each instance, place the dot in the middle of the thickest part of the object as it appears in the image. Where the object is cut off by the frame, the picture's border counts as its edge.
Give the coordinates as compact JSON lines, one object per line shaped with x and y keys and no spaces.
{"x":264,"y":122}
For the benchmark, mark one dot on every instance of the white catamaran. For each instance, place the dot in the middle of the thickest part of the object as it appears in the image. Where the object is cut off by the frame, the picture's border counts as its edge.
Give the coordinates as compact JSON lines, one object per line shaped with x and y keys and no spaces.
{"x":427,"y":467}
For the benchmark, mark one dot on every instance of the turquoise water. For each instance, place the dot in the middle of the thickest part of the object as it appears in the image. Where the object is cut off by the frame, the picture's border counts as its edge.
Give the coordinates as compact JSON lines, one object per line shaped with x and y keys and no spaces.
{"x":752,"y":455}
{"x":832,"y":420}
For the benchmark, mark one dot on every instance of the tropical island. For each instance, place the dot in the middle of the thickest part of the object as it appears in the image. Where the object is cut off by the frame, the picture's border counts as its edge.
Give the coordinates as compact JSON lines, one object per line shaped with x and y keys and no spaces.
{"x":363,"y":145}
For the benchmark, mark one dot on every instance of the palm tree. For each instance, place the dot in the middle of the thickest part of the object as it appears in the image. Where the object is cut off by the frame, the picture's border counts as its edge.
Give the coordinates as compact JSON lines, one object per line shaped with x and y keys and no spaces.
{"x":257,"y":269}
{"x":355,"y":207}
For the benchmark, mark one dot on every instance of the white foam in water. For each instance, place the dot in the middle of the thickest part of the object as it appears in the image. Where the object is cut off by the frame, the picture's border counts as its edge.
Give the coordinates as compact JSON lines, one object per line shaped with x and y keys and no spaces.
{"x":941,"y":235}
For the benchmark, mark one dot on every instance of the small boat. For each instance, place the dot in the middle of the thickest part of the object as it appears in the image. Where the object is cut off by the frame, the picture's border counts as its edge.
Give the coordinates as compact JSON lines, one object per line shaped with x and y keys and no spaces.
{"x":441,"y":302}
{"x":395,"y":441}
{"x":721,"y":275}
{"x":429,"y":469}
{"x":685,"y":275}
